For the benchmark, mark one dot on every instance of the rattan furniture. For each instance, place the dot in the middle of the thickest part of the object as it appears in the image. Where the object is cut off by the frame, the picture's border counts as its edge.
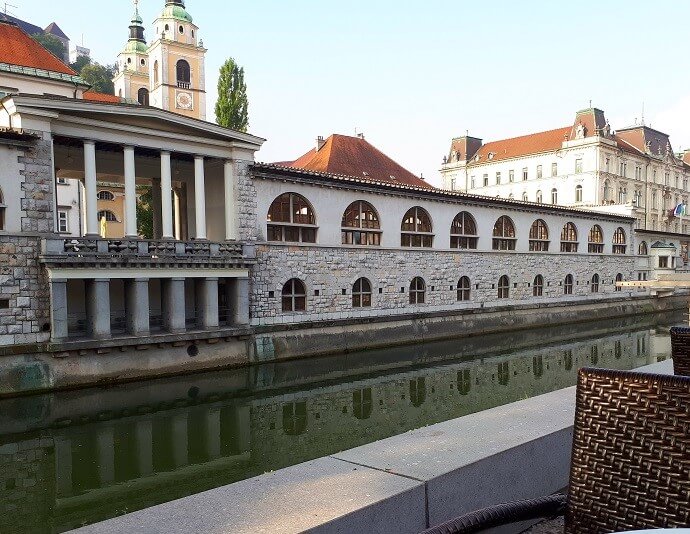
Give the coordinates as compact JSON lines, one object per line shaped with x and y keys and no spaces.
{"x":630,"y":467}
{"x":680,"y":350}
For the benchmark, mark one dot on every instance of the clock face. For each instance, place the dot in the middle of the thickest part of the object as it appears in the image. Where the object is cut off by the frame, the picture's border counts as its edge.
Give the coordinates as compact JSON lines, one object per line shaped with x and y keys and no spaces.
{"x":184,"y":100}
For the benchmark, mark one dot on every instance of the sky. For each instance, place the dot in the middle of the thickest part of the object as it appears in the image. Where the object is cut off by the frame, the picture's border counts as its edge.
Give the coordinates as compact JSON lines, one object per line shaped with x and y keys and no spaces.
{"x":411,"y":76}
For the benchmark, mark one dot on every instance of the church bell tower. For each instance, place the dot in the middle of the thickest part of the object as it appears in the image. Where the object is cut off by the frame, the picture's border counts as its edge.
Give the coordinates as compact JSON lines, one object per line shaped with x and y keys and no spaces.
{"x":132,"y":80}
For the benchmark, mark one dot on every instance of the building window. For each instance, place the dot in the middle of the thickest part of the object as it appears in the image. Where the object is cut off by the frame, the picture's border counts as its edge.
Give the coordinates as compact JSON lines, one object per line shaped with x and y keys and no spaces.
{"x":511,"y":176}
{"x":2,"y":210}
{"x":607,"y":164}
{"x":595,"y":283}
{"x":485,"y":179}
{"x":417,"y":291}
{"x":578,"y":193}
{"x":105,"y":195}
{"x":181,"y":29}
{"x":655,"y":204}
{"x":143,"y":96}
{"x":539,"y":172}
{"x":554,"y":169}
{"x":63,"y":222}
{"x":498,"y":178}
{"x":622,"y":167}
{"x":663,"y":262}
{"x":291,"y":219}
{"x":638,"y":173}
{"x":361,"y":403}
{"x":155,"y":73}
{"x":472,"y":182}
{"x":538,"y":286}
{"x":642,"y":249}
{"x":607,"y":190}
{"x":525,"y":174}
{"x":524,"y":196}
{"x":108,"y":215}
{"x":463,"y":231}
{"x":619,"y":278}
{"x":569,"y":238}
{"x":360,"y":225}
{"x":504,"y":234}
{"x":622,"y":195}
{"x":184,"y":74}
{"x":361,"y":294}
{"x":416,"y":229}
{"x":464,"y":289}
{"x":539,"y":236}
{"x":666,"y":178}
{"x":554,"y":196}
{"x":578,"y":166}
{"x":539,"y":197}
{"x":619,"y":245}
{"x":503,"y":287}
{"x":294,"y":296}
{"x":568,"y":285}
{"x":596,"y":240}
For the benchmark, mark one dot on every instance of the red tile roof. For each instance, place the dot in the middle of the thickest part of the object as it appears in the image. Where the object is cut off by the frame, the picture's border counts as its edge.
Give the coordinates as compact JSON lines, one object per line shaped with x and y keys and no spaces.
{"x":354,"y":156}
{"x":93,"y":96}
{"x":17,"y":48}
{"x":522,"y":146}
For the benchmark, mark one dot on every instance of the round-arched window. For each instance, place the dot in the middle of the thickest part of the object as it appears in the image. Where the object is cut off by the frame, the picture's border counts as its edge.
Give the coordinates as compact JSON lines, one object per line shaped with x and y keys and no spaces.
{"x":539,"y":236}
{"x":619,"y":244}
{"x":463,"y":231}
{"x":417,"y":291}
{"x":504,"y":234}
{"x":595,"y":283}
{"x":291,"y":219}
{"x":503,"y":287}
{"x":360,"y":225}
{"x":143,"y":96}
{"x":596,"y":240}
{"x":619,"y":278}
{"x":568,"y":285}
{"x":361,"y":293}
{"x":554,"y":196}
{"x":569,"y":238}
{"x":416,"y":229}
{"x":294,"y":296}
{"x":184,"y":74}
{"x":642,"y":249}
{"x":105,"y":195}
{"x":108,"y":215}
{"x":464,"y":289}
{"x":538,"y":286}
{"x":578,"y":193}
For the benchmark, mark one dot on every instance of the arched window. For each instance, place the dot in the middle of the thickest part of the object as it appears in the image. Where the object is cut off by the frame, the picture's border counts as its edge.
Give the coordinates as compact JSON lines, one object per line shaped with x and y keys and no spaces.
{"x":361,"y":294}
{"x":417,"y":291}
{"x":504,"y":234}
{"x":622,"y":195}
{"x":619,"y":245}
{"x":569,"y":238}
{"x":416,"y":229}
{"x":155,"y":73}
{"x":463,"y":231}
{"x":181,"y":29}
{"x":524,"y":196}
{"x":291,"y":219}
{"x":108,"y":215}
{"x":360,"y":225}
{"x":607,"y":190}
{"x":294,"y":296}
{"x":642,"y":249}
{"x":568,"y":285}
{"x":554,"y":196}
{"x":464,"y":291}
{"x":361,"y":403}
{"x":2,"y":210}
{"x":539,"y":197}
{"x":143,"y":96}
{"x":539,"y":236}
{"x":105,"y":195}
{"x":538,"y":286}
{"x":595,"y":283}
{"x":294,"y":418}
{"x":619,"y":278}
{"x":578,"y":193}
{"x":184,"y":74}
{"x":596,"y":240}
{"x":418,"y":391}
{"x":503,"y":287}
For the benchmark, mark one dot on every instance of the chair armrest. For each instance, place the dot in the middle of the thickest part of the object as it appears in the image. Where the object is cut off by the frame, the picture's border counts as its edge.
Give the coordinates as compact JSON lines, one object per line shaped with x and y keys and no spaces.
{"x":503,"y":514}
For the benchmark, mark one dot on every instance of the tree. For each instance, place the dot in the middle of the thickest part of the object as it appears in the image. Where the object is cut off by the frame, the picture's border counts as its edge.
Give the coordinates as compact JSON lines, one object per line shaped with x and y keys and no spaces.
{"x":145,"y":213}
{"x":232,"y":107}
{"x":99,"y":77}
{"x":52,"y":44}
{"x":80,"y":63}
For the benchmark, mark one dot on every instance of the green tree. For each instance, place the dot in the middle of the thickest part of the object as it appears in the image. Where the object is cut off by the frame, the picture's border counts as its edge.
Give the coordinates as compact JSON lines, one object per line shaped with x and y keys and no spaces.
{"x":52,"y":44}
{"x":145,"y":213}
{"x":99,"y":77}
{"x":80,"y":63}
{"x":232,"y":107}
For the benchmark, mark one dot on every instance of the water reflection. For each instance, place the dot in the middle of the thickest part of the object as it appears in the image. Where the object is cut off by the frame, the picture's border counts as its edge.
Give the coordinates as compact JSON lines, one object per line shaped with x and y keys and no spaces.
{"x":78,"y":457}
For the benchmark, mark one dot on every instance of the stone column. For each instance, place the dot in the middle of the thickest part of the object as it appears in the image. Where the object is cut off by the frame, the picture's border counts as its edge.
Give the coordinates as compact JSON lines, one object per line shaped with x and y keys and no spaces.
{"x":63,"y":466}
{"x":200,"y":197}
{"x":144,"y":439}
{"x":91,"y":189}
{"x":157,"y":208}
{"x":238,"y":300}
{"x":58,"y":310}
{"x":130,"y":193}
{"x":231,"y":224}
{"x":180,"y":439}
{"x":137,"y":306}
{"x":173,"y":305}
{"x":105,"y":445}
{"x":207,"y":302}
{"x":166,"y":196}
{"x":178,"y":220}
{"x":98,"y":308}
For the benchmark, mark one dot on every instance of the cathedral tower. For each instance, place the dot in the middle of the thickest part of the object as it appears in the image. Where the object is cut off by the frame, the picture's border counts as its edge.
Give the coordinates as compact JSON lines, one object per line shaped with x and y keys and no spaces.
{"x":132,"y":79}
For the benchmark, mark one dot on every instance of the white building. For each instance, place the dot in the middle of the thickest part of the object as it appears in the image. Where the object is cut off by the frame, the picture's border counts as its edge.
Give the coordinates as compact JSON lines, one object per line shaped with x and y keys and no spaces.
{"x":76,"y":51}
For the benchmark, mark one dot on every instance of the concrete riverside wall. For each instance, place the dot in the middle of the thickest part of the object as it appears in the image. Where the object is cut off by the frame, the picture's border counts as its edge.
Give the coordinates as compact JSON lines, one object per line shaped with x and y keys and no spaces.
{"x":403,"y":484}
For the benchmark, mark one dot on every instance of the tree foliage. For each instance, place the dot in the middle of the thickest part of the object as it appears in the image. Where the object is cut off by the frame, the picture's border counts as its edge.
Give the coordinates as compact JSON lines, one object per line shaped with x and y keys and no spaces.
{"x":145,"y":213}
{"x":232,"y":107}
{"x":51,"y":43}
{"x":80,"y":63}
{"x":99,"y":77}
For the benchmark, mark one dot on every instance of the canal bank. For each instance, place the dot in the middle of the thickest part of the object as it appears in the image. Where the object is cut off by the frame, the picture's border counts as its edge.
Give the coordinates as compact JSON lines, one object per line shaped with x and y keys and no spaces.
{"x":88,"y":363}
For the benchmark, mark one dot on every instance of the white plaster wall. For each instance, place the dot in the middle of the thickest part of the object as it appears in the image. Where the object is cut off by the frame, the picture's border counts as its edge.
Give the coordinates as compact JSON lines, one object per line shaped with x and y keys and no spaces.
{"x":11,"y":184}
{"x":37,"y":86}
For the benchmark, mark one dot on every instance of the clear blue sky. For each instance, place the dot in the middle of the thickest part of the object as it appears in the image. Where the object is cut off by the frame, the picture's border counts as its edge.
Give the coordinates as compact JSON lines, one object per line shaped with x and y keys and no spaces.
{"x":411,"y":75}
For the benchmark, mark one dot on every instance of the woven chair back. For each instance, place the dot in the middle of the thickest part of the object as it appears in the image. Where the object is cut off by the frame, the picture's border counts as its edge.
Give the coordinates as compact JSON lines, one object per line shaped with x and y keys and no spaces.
{"x":680,"y":350}
{"x":631,"y":453}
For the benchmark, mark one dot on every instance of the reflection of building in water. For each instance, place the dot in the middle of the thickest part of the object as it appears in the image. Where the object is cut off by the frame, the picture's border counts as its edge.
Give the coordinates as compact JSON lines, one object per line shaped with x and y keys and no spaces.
{"x":98,"y":464}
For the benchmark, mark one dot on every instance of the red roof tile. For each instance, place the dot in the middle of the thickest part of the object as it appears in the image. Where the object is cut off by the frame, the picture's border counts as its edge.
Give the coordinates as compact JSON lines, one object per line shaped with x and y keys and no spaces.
{"x":354,"y":156}
{"x":522,"y":146}
{"x":101,"y":97}
{"x":17,"y":48}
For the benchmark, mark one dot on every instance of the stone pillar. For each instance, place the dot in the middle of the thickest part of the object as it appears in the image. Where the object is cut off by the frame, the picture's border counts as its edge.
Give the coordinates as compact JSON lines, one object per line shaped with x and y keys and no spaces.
{"x":231,"y":224}
{"x":137,"y":306}
{"x":91,"y":189}
{"x":98,"y":308}
{"x":178,"y":220}
{"x":207,"y":302}
{"x":180,"y":440}
{"x":238,"y":301}
{"x":157,"y":208}
{"x":173,"y":305}
{"x":200,"y":197}
{"x":212,"y":430}
{"x":144,"y":439}
{"x":63,"y":467}
{"x":130,"y":193}
{"x":105,"y":445}
{"x":166,"y":196}
{"x":58,"y":310}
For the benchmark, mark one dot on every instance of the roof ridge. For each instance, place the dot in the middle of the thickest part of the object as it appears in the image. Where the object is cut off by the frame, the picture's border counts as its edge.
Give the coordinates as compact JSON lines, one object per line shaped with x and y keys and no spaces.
{"x":528,"y":135}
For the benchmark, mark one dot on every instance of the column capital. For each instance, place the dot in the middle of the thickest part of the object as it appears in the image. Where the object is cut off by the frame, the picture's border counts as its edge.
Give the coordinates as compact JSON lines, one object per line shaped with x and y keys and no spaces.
{"x":199,"y":156}
{"x":128,"y":147}
{"x":88,"y":141}
{"x":165,"y":152}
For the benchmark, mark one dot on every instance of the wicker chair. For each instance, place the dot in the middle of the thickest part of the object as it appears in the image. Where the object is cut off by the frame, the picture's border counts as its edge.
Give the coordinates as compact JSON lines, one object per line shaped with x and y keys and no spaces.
{"x":680,"y":350}
{"x":630,"y":466}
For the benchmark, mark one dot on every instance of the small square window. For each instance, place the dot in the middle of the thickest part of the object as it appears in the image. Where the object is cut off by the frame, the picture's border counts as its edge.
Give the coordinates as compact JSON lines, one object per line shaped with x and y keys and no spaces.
{"x":271,"y":294}
{"x":317,"y":292}
{"x":4,"y":304}
{"x":344,"y":291}
{"x":433,"y":288}
{"x":515,"y":285}
{"x":402,"y":289}
{"x":477,"y":286}
{"x":380,"y":290}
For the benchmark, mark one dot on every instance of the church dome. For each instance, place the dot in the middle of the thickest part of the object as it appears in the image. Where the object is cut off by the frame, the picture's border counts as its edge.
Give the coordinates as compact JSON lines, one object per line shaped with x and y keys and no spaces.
{"x":136,"y":46}
{"x":176,"y":10}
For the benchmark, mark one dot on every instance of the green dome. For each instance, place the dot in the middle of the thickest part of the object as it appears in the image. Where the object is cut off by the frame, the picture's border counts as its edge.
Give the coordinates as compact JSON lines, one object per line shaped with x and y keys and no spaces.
{"x":176,"y":12}
{"x":136,"y":46}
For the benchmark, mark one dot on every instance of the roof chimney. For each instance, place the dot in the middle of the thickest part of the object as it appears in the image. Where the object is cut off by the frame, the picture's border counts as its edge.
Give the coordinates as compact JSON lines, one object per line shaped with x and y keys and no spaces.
{"x":320,"y":141}
{"x":360,"y":135}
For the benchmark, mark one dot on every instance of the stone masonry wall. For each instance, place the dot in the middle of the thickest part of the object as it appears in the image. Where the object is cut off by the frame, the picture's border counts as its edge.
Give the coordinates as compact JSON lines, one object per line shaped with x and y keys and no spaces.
{"x":246,"y":200}
{"x":330,"y":272}
{"x":37,"y":188}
